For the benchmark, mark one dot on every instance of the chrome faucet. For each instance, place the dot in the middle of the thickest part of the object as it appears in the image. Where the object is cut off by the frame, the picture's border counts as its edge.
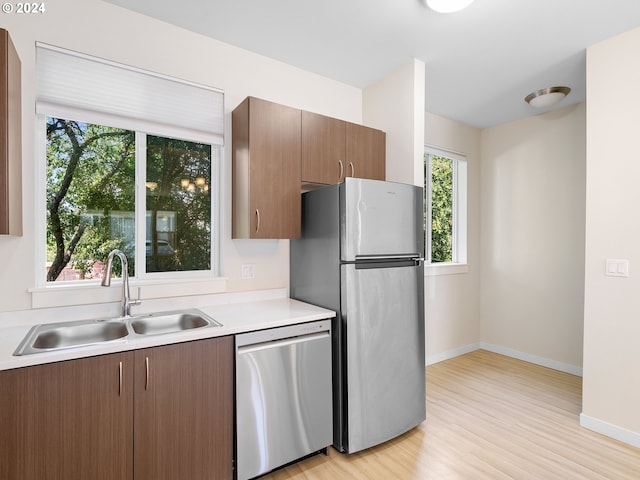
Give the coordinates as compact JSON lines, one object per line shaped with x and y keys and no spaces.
{"x":125,"y":302}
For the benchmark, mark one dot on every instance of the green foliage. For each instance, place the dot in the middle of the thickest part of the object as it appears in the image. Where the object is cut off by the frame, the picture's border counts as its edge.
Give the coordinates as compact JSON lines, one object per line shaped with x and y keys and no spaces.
{"x":441,"y":209}
{"x":168,"y":162}
{"x":90,"y":173}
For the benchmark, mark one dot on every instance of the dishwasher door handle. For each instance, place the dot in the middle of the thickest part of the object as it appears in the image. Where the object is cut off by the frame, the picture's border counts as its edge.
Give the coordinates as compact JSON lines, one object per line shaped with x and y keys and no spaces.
{"x":256,"y":347}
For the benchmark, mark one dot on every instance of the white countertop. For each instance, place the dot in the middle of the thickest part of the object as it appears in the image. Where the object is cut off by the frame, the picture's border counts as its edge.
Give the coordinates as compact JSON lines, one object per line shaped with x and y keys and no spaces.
{"x":235,"y":318}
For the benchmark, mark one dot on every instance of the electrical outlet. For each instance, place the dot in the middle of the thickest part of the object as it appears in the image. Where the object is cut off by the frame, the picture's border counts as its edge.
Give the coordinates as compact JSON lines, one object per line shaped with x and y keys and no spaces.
{"x":248,"y":271}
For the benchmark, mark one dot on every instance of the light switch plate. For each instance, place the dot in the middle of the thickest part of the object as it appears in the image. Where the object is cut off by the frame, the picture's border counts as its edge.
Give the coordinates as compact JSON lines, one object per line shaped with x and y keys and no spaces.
{"x":617,"y":267}
{"x":248,"y":271}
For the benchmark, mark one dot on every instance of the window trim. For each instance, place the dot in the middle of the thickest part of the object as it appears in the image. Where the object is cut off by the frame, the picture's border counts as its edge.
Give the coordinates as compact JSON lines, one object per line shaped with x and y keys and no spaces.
{"x":59,"y":67}
{"x":459,"y":213}
{"x":54,"y":294}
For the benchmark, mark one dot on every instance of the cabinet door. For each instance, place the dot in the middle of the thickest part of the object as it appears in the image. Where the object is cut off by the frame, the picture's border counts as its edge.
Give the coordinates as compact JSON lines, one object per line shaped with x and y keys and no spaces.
{"x":68,"y":420}
{"x":266,"y":170}
{"x":10,"y":138}
{"x":365,"y":152}
{"x":323,"y":149}
{"x":184,"y":411}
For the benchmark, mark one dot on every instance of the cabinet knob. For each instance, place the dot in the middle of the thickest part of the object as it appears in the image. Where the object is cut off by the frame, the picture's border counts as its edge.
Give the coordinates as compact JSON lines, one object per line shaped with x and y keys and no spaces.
{"x":257,"y":220}
{"x":353,"y":169}
{"x":341,"y":170}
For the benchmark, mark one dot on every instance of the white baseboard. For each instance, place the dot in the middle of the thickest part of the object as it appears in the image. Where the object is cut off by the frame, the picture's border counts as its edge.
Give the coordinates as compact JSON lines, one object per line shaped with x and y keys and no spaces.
{"x":527,"y":357}
{"x":509,"y":352}
{"x":612,"y":431}
{"x":456,"y":352}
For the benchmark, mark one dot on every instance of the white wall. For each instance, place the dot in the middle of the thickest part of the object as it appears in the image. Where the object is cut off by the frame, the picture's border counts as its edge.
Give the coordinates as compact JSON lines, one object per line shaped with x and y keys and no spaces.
{"x":452,"y":307}
{"x":611,"y":391}
{"x":108,"y":31}
{"x":532,"y":222}
{"x":395,"y":104}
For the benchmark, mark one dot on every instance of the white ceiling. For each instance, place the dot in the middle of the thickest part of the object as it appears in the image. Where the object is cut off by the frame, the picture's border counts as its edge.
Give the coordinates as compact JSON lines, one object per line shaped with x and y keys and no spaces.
{"x":480,"y":62}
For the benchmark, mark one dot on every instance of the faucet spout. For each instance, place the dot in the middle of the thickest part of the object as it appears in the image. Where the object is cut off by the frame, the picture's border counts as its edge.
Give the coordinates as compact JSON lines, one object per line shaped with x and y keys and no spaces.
{"x":125,"y":302}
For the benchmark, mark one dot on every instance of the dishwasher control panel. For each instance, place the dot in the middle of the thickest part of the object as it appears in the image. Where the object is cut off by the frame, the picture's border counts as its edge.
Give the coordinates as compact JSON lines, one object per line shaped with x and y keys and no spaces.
{"x":280,"y":333}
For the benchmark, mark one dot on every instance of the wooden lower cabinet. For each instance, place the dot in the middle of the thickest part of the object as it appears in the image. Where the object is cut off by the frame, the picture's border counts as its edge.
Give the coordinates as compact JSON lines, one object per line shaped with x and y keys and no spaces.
{"x":184,"y":411}
{"x":84,"y":419}
{"x":67,"y":420}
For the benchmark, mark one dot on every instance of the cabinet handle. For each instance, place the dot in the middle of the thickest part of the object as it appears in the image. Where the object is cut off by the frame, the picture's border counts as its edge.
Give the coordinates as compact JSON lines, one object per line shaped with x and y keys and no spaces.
{"x":353,"y":169}
{"x":257,"y":220}
{"x":146,"y":367}
{"x":120,"y":380}
{"x":341,"y":170}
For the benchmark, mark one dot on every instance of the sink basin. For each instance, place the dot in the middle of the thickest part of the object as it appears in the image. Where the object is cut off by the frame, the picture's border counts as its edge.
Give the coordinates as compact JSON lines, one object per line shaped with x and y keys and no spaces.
{"x":55,"y":336}
{"x":170,"y":322}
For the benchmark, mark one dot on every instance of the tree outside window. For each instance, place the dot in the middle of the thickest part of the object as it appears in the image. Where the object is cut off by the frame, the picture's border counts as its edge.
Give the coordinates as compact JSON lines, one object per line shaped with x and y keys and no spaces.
{"x":440,"y":207}
{"x":91,"y":201}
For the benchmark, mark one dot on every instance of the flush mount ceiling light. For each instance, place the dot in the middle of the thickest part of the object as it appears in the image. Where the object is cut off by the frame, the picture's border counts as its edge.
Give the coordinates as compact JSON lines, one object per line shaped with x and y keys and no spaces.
{"x":448,"y":6}
{"x":546,"y":96}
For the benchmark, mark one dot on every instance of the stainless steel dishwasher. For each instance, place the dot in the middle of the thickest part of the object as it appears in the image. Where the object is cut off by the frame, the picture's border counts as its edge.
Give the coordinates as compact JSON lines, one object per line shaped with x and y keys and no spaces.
{"x":283,"y":396}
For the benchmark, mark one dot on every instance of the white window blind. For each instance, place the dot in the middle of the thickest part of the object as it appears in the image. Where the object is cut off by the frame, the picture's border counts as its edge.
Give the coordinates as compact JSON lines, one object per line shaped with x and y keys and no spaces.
{"x":129,"y":97}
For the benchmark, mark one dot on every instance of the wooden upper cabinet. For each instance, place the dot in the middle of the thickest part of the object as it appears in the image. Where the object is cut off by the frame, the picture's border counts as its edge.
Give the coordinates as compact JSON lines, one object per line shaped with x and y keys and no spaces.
{"x":323,"y":149}
{"x":365,"y":152}
{"x":10,"y":138}
{"x":277,"y":149}
{"x":333,"y":149}
{"x":266,"y":154}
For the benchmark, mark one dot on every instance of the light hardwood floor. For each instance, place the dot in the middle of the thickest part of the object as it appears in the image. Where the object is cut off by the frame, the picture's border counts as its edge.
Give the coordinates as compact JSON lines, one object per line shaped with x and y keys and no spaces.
{"x":488,"y":417}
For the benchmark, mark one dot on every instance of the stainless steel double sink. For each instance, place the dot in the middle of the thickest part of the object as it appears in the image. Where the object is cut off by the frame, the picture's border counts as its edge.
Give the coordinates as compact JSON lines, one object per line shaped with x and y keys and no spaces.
{"x":56,"y":336}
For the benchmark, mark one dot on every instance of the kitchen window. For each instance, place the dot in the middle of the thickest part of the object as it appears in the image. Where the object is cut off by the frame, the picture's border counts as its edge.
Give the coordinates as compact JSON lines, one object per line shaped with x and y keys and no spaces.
{"x":130,"y":161}
{"x":92,"y":203}
{"x":445,"y":210}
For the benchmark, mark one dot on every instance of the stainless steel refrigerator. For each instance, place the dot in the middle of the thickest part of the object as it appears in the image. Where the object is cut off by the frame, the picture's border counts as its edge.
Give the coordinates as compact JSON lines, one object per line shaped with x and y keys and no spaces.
{"x":361,"y":254}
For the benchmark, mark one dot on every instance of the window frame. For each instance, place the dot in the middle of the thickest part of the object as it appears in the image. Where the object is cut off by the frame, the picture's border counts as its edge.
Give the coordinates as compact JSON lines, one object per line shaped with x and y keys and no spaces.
{"x":459,"y":212}
{"x":51,"y":294}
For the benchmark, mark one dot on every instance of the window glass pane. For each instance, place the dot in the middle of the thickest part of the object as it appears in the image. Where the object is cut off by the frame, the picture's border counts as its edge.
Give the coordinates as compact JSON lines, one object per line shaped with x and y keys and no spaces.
{"x":441,"y":209}
{"x":90,"y":198}
{"x":178,"y":217}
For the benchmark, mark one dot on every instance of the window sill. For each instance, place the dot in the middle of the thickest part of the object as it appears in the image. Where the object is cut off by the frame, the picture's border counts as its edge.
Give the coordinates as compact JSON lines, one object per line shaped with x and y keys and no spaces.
{"x":63,"y":295}
{"x":432,"y":270}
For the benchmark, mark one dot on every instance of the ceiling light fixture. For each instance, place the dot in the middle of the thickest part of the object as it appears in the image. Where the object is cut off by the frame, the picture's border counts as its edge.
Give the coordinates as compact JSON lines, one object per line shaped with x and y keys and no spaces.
{"x":546,"y":97}
{"x":448,"y":6}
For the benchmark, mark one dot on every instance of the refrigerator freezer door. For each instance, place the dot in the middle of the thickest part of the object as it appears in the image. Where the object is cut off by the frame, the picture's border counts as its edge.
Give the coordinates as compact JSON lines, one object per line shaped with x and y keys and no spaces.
{"x":380,"y":218}
{"x":383,"y":311}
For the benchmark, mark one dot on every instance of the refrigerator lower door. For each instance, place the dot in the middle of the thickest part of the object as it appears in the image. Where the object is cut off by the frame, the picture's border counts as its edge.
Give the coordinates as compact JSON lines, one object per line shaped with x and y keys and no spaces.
{"x":383,"y":314}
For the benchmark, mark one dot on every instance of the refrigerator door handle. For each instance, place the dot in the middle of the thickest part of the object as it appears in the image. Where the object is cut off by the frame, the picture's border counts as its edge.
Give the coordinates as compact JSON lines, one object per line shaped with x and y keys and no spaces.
{"x":400,"y":256}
